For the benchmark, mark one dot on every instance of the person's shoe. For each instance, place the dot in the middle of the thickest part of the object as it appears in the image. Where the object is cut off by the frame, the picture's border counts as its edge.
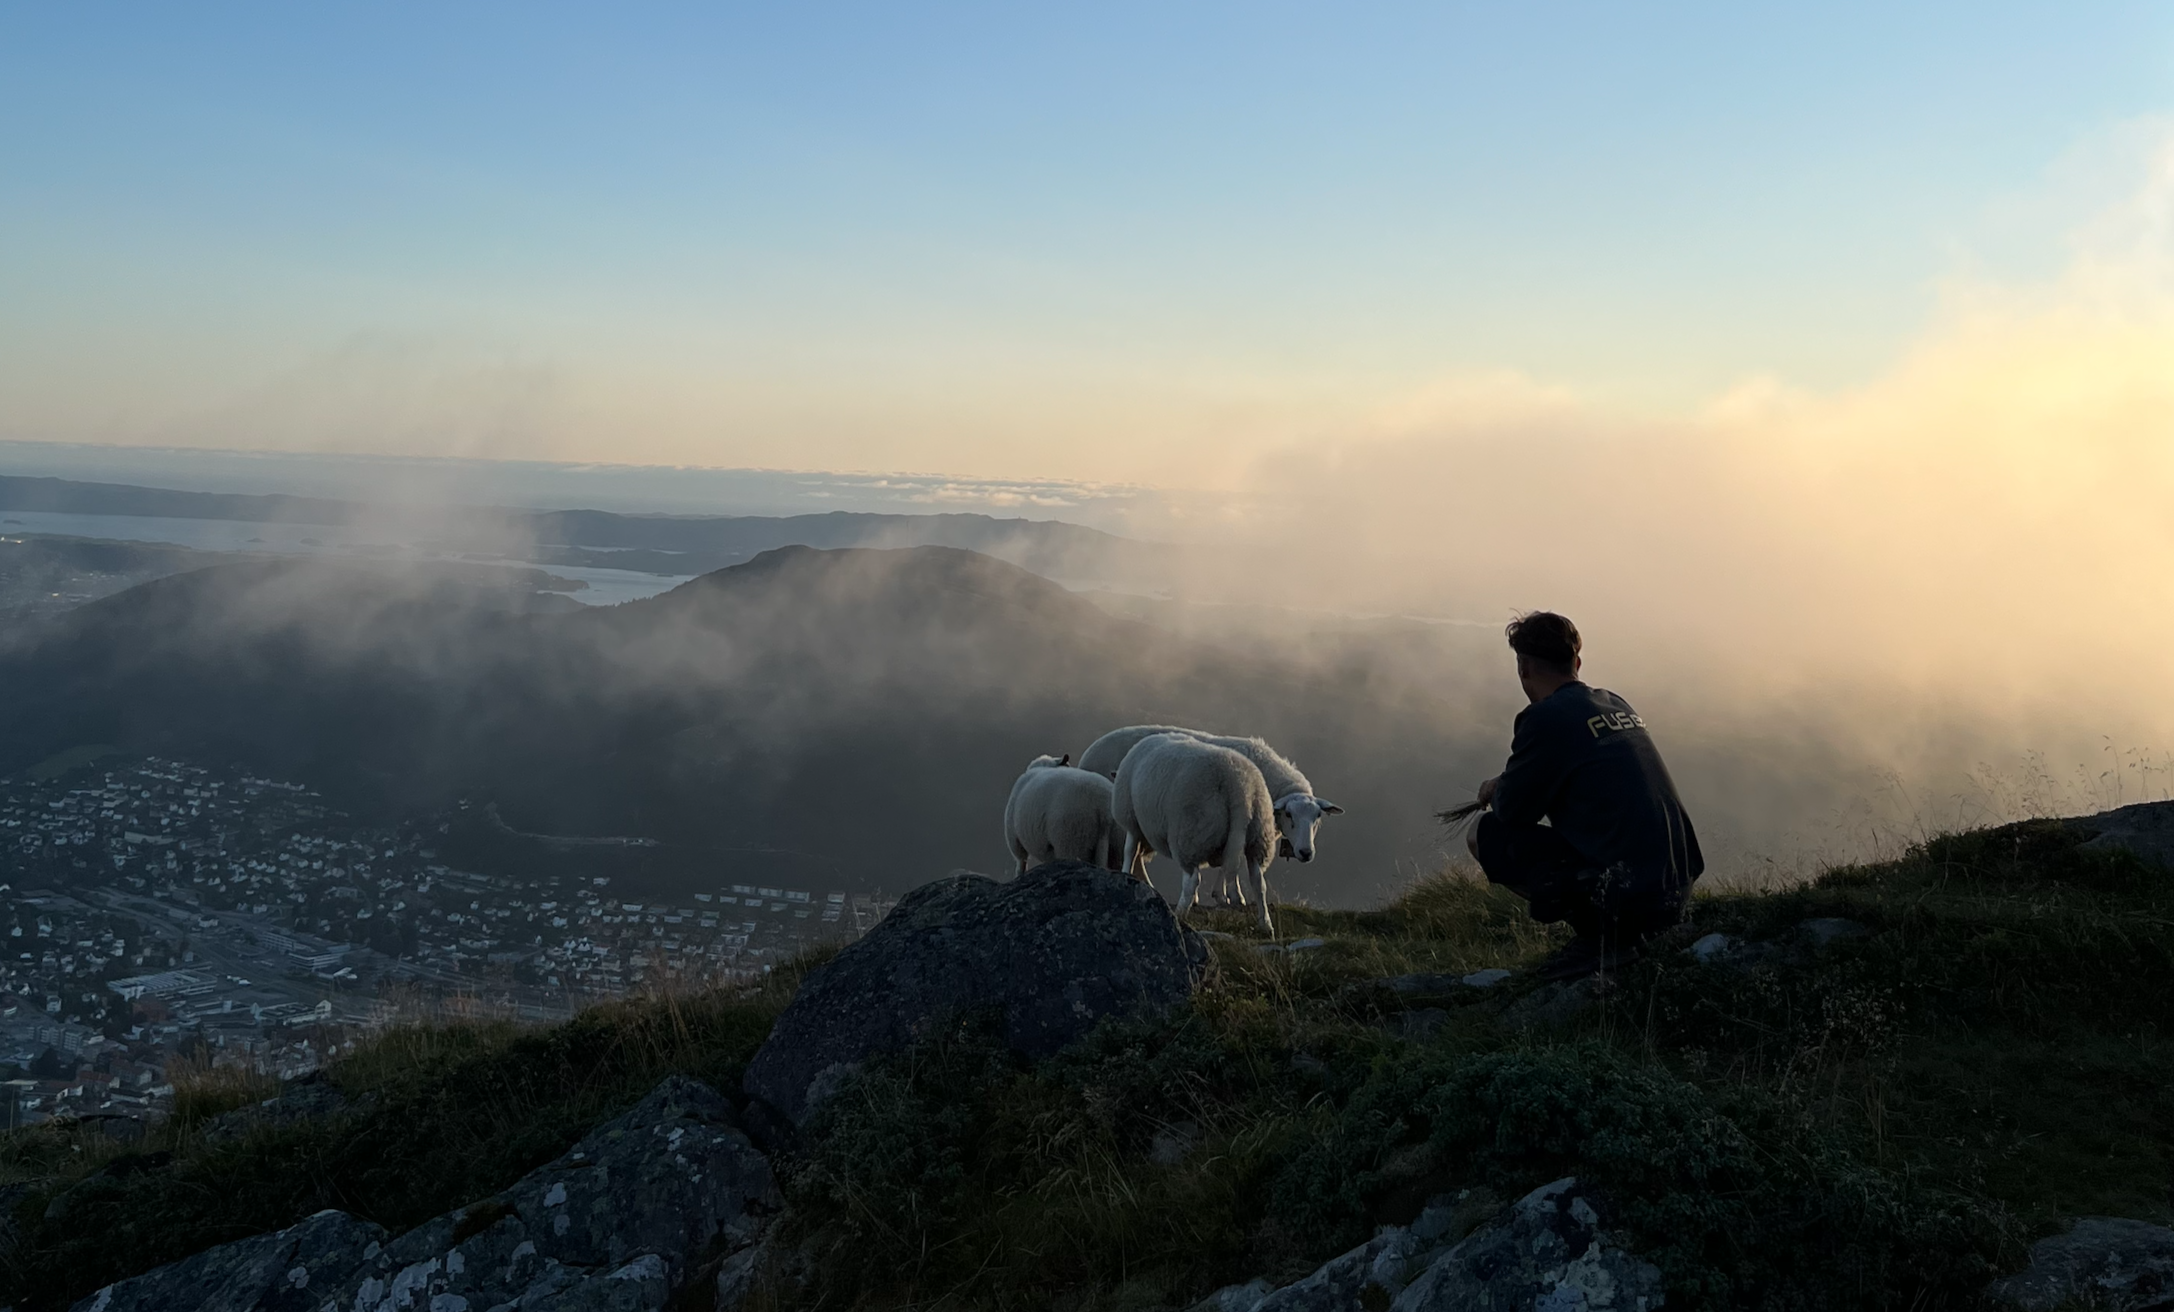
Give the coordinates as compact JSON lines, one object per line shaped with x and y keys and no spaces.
{"x":1582,"y":958}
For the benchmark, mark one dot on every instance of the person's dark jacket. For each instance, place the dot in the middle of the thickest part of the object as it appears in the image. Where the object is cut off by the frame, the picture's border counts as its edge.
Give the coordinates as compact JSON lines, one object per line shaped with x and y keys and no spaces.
{"x":1582,"y":758}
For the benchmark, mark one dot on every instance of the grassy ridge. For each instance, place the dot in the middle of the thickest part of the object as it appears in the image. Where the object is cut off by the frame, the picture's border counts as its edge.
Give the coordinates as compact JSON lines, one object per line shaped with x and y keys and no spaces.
{"x":1881,"y":1121}
{"x":420,"y":1121}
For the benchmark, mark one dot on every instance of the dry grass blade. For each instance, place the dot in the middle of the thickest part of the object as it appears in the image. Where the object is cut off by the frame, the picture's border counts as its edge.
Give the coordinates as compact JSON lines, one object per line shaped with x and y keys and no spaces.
{"x":1457,"y":815}
{"x":204,"y":1091}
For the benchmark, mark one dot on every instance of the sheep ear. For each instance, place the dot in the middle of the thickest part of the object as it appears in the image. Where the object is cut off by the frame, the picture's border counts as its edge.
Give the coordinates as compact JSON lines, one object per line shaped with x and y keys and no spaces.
{"x":1065,"y":759}
{"x":1330,"y":808}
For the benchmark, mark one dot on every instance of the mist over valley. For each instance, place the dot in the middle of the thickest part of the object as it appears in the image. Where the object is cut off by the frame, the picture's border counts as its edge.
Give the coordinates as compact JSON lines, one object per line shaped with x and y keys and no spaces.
{"x":848,"y":710}
{"x":849,"y":717}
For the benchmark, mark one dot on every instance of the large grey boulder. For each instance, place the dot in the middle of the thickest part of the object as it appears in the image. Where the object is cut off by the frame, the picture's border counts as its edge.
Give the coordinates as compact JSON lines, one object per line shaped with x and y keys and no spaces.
{"x":2105,"y":1262}
{"x":1547,"y":1253}
{"x":2147,"y":829}
{"x":1342,"y":1283}
{"x":642,"y":1206}
{"x":1235,"y":1298}
{"x":291,"y":1270}
{"x":1050,"y":955}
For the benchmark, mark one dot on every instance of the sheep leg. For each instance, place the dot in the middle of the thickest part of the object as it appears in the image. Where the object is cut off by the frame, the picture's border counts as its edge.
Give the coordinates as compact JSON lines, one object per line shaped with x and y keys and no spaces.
{"x":1259,"y":873}
{"x":1188,"y":889}
{"x":1133,"y":864}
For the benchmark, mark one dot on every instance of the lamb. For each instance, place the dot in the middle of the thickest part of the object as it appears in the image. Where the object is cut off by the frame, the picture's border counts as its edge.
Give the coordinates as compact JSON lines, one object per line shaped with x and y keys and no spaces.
{"x":1298,"y":811}
{"x":1059,"y":813}
{"x":1199,"y":805}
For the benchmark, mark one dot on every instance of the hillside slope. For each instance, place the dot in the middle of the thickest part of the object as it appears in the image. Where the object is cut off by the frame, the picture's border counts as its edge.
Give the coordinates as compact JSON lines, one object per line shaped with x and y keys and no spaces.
{"x":802,"y":717}
{"x":1870,"y":1093}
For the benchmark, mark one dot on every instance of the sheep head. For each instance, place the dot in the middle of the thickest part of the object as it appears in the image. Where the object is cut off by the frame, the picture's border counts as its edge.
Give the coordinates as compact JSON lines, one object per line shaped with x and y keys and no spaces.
{"x":1298,"y":816}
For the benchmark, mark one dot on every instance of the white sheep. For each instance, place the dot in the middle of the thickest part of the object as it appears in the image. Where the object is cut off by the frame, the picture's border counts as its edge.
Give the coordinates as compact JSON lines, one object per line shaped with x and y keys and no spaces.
{"x":1199,"y":805}
{"x":1298,"y":811}
{"x":1106,"y":753}
{"x":1058,"y":813}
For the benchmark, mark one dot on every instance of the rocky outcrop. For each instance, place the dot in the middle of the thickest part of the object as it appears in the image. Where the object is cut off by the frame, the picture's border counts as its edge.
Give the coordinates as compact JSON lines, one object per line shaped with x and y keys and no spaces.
{"x":2147,"y":829}
{"x":647,"y":1204}
{"x":1549,"y":1252}
{"x":2103,"y":1262}
{"x":1546,"y":1252}
{"x":1049,"y":955}
{"x":292,"y":1270}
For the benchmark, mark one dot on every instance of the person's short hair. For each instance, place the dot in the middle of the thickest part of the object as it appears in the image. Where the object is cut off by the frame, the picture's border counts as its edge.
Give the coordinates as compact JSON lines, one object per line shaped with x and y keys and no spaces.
{"x":1547,"y":638}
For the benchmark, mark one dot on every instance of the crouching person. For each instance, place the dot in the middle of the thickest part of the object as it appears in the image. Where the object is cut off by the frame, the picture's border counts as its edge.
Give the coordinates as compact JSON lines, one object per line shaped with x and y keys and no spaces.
{"x":1617,"y":856}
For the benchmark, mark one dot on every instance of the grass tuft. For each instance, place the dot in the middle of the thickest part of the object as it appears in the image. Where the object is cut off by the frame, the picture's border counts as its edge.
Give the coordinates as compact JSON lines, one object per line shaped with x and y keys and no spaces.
{"x":204,"y":1091}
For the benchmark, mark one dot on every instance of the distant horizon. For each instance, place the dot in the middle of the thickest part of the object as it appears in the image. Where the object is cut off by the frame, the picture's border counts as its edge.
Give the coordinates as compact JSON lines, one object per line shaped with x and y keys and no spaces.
{"x":618,"y":487}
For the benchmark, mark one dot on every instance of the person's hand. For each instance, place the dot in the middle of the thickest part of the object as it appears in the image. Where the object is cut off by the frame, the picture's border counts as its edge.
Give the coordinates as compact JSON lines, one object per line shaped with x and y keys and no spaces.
{"x":1487,"y":791}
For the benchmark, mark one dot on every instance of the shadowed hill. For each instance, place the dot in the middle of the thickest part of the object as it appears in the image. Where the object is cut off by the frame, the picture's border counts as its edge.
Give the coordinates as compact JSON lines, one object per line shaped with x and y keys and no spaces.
{"x":810,"y":716}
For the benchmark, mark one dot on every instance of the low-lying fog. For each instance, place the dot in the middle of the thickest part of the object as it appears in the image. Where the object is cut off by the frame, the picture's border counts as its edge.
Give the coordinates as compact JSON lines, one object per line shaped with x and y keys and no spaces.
{"x":1820,"y":692}
{"x":423,"y":540}
{"x":1943,"y":597}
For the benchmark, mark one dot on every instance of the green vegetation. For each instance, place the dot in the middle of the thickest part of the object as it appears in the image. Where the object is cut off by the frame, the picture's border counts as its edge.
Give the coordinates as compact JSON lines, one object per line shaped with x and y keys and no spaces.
{"x":1883,"y":1120}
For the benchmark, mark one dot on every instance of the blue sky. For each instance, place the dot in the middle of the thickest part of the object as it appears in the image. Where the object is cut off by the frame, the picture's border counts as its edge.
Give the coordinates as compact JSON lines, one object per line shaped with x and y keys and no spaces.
{"x":974,"y":238}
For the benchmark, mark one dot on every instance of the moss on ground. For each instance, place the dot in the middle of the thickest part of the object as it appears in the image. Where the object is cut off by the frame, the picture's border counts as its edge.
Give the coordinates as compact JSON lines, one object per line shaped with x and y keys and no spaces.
{"x":1885,"y":1120}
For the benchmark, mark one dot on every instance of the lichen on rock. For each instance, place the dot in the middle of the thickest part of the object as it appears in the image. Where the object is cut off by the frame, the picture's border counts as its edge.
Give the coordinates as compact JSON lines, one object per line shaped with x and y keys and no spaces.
{"x":640,"y":1207}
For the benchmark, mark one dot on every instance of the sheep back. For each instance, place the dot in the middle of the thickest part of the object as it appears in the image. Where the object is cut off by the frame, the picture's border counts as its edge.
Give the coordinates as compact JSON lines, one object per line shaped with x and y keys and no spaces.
{"x":1062,"y":814}
{"x":1184,"y":798}
{"x":1282,"y":777}
{"x":1108,"y":752}
{"x":1011,"y":803}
